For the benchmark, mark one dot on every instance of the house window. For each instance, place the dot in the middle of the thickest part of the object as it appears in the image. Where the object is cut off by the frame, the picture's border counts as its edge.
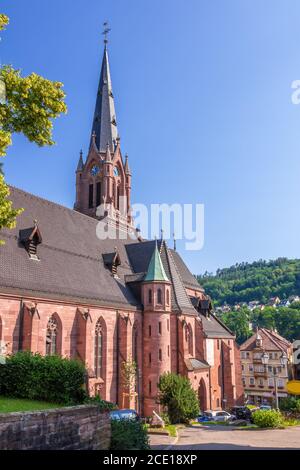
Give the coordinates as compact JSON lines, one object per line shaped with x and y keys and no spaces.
{"x":98,"y":357}
{"x":98,"y":194}
{"x":243,"y":367}
{"x":280,"y":383}
{"x":250,"y":367}
{"x":243,"y":355}
{"x":150,"y":387}
{"x":51,"y":337}
{"x":244,"y":381}
{"x":91,"y":195}
{"x":150,"y":296}
{"x":251,"y":381}
{"x":159,"y":327}
{"x":160,"y":354}
{"x":149,"y":328}
{"x":271,"y":382}
{"x":159,"y":296}
{"x":150,"y":358}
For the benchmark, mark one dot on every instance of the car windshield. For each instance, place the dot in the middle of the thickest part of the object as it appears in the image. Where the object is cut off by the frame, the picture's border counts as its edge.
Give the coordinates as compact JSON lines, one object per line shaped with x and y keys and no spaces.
{"x":128,"y":414}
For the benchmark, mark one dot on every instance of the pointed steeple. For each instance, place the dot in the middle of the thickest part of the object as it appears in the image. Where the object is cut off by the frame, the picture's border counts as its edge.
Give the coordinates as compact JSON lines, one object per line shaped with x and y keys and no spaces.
{"x":156,"y":270}
{"x":80,"y":162}
{"x":104,"y":122}
{"x":127,"y":169}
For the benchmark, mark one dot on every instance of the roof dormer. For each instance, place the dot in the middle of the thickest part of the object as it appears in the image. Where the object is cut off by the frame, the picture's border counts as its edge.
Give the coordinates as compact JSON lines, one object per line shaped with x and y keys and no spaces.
{"x":31,"y":237}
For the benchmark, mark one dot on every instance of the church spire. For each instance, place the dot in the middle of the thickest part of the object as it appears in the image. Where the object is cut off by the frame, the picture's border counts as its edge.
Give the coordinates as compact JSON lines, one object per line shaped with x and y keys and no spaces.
{"x":104,"y":122}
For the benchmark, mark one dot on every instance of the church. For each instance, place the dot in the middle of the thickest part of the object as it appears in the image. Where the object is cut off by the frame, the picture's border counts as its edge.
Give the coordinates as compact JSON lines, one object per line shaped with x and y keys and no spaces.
{"x":108,"y":302}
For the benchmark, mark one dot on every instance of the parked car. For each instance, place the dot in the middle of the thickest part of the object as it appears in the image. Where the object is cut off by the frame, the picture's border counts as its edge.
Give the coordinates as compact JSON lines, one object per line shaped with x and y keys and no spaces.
{"x":220,"y":416}
{"x":265,"y":407}
{"x":241,"y":412}
{"x":202,"y":418}
{"x":124,"y":414}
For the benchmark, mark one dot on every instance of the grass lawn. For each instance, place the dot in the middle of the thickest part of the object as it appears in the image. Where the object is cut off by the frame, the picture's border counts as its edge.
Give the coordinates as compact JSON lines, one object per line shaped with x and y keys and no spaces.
{"x":8,"y":405}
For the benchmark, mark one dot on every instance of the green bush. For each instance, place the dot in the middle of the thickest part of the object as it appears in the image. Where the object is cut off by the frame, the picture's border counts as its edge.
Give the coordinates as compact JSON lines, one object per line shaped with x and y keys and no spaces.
{"x":290,"y":404}
{"x":46,"y":378}
{"x":177,"y":395}
{"x":103,"y":404}
{"x":268,"y":418}
{"x":128,"y":435}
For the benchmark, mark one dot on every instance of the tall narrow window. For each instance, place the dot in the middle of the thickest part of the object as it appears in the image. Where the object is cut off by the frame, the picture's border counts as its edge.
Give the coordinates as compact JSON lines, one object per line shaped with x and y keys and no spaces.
{"x":51,"y":337}
{"x":98,"y":193}
{"x":150,"y":387}
{"x":118,"y":198}
{"x":149,"y":330}
{"x":159,"y":296}
{"x":150,"y":359}
{"x":159,"y":327}
{"x":150,"y":296}
{"x":135,"y":345}
{"x":160,"y":354}
{"x":91,"y":195}
{"x":98,"y":350}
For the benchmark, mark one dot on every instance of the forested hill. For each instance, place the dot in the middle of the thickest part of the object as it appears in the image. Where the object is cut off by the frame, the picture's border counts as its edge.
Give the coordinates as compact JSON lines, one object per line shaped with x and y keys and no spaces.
{"x":260,"y":280}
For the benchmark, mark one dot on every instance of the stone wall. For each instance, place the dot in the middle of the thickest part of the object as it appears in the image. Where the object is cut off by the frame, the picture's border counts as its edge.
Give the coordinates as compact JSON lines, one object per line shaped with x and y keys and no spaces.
{"x":72,"y":428}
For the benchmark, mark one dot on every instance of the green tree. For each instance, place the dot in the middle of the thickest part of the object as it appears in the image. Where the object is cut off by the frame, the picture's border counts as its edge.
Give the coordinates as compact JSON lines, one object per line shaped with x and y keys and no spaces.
{"x":238,"y":322}
{"x":177,"y":395}
{"x":27,"y":105}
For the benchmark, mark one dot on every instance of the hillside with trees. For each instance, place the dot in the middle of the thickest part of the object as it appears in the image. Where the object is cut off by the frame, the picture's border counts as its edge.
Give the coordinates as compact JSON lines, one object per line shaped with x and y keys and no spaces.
{"x":245,"y":282}
{"x":259,"y":281}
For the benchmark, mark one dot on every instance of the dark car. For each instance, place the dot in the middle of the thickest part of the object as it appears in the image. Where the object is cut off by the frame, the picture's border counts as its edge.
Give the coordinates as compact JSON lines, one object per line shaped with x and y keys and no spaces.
{"x":241,"y":412}
{"x":124,"y":414}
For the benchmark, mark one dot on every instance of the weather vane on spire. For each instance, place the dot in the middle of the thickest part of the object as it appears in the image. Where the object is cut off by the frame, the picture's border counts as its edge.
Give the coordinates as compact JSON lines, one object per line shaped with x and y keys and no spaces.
{"x":106,"y":31}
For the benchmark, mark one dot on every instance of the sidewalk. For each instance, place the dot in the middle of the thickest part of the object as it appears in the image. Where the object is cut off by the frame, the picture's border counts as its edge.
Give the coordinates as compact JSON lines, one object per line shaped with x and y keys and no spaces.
{"x":161,"y":442}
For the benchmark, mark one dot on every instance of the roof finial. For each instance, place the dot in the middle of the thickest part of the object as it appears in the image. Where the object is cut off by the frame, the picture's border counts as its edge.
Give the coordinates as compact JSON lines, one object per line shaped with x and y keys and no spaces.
{"x":174,"y":239}
{"x":105,"y":32}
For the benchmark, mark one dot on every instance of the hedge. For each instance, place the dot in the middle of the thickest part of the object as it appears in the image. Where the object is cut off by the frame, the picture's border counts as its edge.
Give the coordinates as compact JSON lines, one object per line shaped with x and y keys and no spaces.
{"x":128,"y":435}
{"x":46,"y":378}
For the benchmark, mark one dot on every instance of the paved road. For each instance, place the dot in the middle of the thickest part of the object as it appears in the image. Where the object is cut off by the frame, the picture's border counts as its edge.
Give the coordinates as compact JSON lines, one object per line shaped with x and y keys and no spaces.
{"x":220,"y":438}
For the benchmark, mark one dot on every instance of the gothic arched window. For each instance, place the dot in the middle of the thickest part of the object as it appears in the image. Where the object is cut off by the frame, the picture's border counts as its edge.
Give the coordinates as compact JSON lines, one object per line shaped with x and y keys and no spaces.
{"x":189,"y":339}
{"x":52,"y":336}
{"x":98,"y":358}
{"x":168,"y":297}
{"x":159,"y":296}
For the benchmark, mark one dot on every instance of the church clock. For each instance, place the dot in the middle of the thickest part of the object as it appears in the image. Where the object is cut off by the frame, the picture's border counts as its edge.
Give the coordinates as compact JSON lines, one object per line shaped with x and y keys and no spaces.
{"x":95,"y":170}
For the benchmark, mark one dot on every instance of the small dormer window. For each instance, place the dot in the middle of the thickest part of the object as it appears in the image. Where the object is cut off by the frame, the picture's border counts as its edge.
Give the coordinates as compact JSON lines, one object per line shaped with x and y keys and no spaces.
{"x":112,"y":261}
{"x":31,"y":238}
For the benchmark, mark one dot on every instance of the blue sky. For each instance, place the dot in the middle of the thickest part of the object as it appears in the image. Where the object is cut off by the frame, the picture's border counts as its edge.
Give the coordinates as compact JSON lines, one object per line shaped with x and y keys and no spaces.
{"x":203,"y":98}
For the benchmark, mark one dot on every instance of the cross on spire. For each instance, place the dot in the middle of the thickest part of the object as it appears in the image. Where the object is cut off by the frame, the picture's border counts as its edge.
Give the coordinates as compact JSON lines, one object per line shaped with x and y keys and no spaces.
{"x":105,"y":32}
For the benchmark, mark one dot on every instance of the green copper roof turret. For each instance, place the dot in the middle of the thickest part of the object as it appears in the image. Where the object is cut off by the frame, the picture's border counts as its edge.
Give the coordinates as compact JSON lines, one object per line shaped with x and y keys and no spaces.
{"x":156,"y":270}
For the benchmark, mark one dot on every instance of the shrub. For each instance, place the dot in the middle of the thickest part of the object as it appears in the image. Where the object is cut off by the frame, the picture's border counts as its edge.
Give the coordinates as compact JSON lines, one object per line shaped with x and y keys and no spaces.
{"x":268,"y":418}
{"x":290,"y":404}
{"x":46,"y":378}
{"x":128,"y":435}
{"x":177,"y":395}
{"x":103,"y":404}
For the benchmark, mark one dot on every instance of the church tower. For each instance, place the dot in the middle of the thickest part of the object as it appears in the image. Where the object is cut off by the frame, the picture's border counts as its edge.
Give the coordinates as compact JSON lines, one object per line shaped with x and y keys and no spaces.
{"x":104,"y":179}
{"x":156,"y":299}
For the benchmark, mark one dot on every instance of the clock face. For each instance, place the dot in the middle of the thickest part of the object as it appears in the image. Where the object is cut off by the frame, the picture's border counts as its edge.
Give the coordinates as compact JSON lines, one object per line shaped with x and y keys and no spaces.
{"x":95,"y":170}
{"x":116,"y":171}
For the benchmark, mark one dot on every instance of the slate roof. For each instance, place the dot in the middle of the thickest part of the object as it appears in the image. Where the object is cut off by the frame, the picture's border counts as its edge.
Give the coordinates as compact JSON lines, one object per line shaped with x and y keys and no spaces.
{"x":196,"y":364}
{"x":271,"y":341}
